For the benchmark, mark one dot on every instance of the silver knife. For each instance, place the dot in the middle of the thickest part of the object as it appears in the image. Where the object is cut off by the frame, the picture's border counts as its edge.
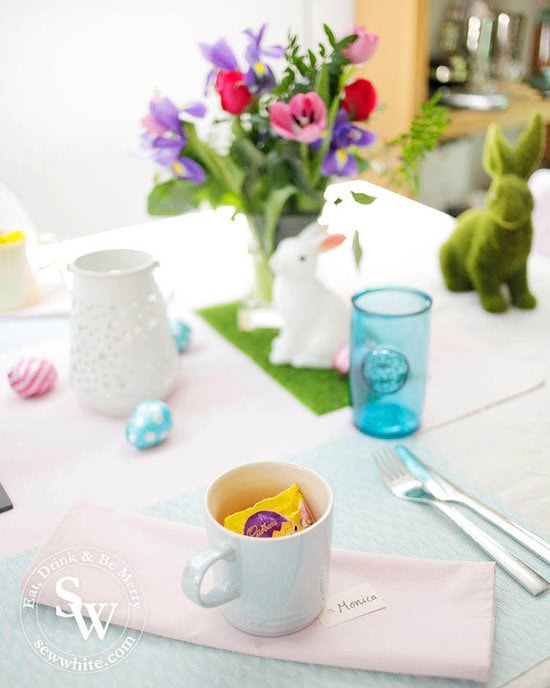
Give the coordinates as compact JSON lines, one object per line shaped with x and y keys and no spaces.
{"x":443,"y":489}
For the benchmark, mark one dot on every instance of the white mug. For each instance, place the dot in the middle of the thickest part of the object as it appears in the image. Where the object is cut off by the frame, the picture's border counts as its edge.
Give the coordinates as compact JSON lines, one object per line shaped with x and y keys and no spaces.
{"x":265,"y":586}
{"x":122,"y":349}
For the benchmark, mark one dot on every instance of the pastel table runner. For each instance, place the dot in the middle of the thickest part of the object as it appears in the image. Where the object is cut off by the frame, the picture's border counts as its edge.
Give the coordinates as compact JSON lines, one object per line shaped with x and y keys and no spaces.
{"x":463,"y":376}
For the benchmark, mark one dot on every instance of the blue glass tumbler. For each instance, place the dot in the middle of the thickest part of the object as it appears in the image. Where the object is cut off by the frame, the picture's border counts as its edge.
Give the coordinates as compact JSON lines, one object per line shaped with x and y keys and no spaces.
{"x":390,"y":335}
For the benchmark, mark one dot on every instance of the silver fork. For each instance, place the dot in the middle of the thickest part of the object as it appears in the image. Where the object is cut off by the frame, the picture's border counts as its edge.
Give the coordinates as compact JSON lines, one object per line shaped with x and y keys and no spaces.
{"x":405,"y":486}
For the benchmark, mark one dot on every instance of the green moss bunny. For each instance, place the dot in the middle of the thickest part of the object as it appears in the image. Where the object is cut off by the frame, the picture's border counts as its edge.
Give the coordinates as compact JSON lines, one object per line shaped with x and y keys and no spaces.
{"x":489,"y":247}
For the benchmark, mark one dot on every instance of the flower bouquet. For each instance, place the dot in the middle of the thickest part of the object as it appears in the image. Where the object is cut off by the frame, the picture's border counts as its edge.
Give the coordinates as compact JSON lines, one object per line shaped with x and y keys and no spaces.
{"x":286,"y":122}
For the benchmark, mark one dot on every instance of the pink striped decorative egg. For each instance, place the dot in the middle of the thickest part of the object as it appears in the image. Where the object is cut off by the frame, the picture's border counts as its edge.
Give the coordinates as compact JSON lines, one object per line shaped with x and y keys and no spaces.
{"x":32,"y":377}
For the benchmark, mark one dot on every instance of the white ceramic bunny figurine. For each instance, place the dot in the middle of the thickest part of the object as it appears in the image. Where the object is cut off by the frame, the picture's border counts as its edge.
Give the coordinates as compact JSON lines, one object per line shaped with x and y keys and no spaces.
{"x":316,"y":322}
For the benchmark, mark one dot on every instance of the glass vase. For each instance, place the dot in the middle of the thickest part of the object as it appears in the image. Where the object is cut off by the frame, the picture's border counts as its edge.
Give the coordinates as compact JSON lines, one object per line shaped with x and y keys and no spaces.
{"x":257,"y":310}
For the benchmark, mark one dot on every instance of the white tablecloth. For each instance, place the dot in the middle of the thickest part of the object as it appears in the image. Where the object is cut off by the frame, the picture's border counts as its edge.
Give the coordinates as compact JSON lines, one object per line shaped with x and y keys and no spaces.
{"x":492,"y":372}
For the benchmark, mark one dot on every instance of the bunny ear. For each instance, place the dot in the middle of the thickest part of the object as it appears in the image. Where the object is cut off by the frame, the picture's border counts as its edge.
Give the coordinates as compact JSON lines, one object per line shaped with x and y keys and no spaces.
{"x":498,"y":156}
{"x":530,"y":147}
{"x":313,"y":231}
{"x":331,"y":241}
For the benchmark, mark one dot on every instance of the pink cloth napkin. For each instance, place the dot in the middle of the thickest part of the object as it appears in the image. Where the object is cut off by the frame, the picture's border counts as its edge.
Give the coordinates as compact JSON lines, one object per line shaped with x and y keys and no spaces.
{"x":438,"y":620}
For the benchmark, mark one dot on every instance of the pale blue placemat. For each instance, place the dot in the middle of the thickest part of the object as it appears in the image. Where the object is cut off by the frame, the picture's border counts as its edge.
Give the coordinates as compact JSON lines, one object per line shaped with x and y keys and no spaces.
{"x":367,"y":517}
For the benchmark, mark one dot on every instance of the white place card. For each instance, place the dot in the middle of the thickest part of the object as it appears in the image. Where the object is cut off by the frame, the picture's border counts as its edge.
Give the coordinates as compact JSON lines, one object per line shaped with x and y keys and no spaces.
{"x":349,"y":604}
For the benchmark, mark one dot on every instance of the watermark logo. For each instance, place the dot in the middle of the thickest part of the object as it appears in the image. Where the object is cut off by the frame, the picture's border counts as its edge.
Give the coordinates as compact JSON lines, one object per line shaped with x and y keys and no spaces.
{"x":82,"y":610}
{"x":93,"y":609}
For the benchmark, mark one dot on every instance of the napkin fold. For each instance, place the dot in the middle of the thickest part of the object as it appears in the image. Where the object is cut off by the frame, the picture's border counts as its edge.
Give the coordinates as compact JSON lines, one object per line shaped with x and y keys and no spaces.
{"x":438,"y":620}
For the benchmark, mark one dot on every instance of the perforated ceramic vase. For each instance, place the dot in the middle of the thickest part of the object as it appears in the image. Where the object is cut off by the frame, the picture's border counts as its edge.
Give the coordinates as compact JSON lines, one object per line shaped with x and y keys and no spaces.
{"x":122,"y":349}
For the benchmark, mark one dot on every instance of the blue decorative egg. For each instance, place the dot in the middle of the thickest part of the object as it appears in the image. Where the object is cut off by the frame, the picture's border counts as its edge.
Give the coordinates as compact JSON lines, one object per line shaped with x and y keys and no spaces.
{"x":181,"y":333}
{"x":149,"y":424}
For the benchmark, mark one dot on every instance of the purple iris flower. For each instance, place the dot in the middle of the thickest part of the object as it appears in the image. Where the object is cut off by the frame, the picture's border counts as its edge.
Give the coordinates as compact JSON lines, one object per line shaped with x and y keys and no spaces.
{"x":339,"y":161}
{"x":186,"y":168}
{"x":346,"y":134}
{"x":161,"y":150}
{"x":164,"y":138}
{"x":221,"y":56}
{"x":195,"y":109}
{"x":163,"y":116}
{"x":166,"y":152}
{"x":255,"y":51}
{"x":260,"y":77}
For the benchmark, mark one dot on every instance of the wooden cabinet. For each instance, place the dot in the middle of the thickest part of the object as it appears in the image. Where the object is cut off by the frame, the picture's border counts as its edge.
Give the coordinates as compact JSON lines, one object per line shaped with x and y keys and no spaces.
{"x":399,"y":67}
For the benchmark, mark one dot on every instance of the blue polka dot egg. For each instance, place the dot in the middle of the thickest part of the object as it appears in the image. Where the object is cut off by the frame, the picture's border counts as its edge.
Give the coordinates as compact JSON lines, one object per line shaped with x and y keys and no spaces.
{"x":181,"y":333}
{"x":149,"y":424}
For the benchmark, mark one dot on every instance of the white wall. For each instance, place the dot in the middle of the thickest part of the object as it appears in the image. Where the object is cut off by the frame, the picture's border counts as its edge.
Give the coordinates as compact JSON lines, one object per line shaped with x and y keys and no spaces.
{"x":76,"y":77}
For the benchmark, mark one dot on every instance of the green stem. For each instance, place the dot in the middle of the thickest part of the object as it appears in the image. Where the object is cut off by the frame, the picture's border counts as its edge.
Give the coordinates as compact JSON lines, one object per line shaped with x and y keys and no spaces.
{"x":226,"y":174}
{"x":323,"y":150}
{"x":304,"y":155}
{"x":262,"y":290}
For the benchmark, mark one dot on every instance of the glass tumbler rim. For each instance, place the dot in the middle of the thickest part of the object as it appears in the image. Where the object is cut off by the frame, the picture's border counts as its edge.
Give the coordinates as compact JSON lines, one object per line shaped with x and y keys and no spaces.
{"x":424,"y":305}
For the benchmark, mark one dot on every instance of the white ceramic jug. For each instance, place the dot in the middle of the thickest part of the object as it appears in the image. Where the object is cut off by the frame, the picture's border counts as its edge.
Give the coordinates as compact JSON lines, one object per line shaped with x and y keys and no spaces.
{"x":122,"y":349}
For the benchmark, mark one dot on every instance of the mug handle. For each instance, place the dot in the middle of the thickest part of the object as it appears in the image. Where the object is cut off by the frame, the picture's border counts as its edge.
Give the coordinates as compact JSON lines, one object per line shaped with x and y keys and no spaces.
{"x":195,"y":571}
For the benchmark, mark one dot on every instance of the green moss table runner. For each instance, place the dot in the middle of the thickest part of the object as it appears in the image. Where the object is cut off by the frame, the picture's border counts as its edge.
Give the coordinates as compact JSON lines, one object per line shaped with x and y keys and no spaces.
{"x":322,"y":391}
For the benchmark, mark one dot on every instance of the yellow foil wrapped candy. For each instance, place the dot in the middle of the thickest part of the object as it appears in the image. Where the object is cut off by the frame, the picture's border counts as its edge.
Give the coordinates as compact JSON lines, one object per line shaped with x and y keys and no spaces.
{"x":12,"y":236}
{"x":284,"y":514}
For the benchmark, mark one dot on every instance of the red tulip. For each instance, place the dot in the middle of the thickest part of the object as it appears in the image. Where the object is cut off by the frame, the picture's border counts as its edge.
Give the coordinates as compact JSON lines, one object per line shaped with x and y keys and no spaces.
{"x":235,"y":96}
{"x":359,"y":99}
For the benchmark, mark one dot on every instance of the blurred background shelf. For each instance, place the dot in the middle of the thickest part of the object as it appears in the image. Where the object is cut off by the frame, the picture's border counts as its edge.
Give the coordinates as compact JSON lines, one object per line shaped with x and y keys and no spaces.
{"x":524,"y":100}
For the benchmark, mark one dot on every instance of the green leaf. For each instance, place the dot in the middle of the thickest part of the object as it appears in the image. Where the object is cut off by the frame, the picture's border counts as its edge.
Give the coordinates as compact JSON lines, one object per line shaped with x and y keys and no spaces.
{"x":273,"y":208}
{"x":172,"y":197}
{"x":357,"y":249}
{"x":248,"y":154}
{"x":316,"y":175}
{"x":424,"y":134}
{"x":322,"y":85}
{"x":222,"y":169}
{"x":362,"y":164}
{"x":177,"y":196}
{"x":363,"y":198}
{"x":345,"y":42}
{"x":329,"y":35}
{"x":301,"y":65}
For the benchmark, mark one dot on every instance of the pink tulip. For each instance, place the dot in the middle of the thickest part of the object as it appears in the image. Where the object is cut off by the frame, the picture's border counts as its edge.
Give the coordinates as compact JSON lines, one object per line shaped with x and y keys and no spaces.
{"x":303,"y":119}
{"x":363,"y":47}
